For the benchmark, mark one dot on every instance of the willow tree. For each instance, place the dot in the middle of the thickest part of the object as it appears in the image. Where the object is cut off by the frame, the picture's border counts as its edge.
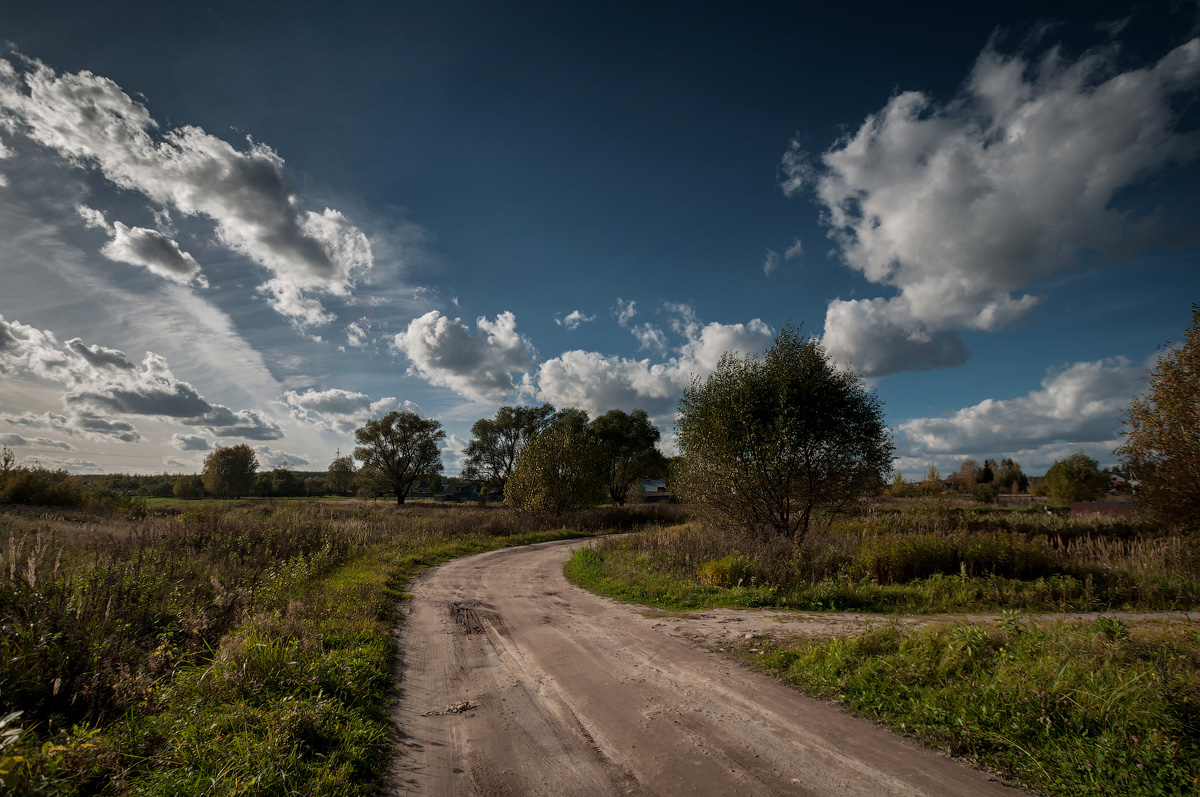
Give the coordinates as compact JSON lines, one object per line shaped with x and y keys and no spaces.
{"x":1162,"y":435}
{"x":766,"y":441}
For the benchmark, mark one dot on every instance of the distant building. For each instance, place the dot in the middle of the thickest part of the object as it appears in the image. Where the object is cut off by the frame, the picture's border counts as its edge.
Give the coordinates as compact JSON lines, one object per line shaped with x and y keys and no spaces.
{"x":653,"y":485}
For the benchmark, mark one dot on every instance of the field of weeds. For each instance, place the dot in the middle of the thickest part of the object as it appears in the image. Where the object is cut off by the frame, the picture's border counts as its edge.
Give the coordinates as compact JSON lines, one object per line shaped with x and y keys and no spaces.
{"x":236,"y":648}
{"x":1102,"y":707}
{"x":931,"y":558}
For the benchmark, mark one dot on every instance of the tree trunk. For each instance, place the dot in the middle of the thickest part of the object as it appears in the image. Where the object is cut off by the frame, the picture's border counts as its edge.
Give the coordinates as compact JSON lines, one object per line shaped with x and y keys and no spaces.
{"x":399,"y":498}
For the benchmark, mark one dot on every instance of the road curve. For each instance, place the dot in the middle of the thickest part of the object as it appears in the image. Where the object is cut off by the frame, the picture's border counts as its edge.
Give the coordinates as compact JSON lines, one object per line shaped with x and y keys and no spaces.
{"x":517,"y":682}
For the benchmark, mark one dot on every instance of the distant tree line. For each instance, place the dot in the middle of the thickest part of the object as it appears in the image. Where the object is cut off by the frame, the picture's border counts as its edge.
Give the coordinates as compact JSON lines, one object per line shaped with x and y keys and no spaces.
{"x":768,"y":443}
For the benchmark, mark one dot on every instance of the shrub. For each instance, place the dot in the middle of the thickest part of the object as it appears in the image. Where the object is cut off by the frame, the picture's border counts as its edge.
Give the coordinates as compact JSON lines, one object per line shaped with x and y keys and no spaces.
{"x":733,"y":570}
{"x":984,"y":493}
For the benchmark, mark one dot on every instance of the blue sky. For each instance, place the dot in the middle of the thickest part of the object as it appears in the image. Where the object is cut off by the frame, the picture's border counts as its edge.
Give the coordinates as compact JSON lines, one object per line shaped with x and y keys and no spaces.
{"x":237,"y":224}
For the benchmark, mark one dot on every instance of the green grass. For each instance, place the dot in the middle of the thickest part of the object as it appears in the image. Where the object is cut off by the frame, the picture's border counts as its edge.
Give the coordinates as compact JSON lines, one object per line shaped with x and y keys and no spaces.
{"x":225,"y":650}
{"x":1067,"y":709}
{"x":898,"y":565}
{"x":1093,"y":709}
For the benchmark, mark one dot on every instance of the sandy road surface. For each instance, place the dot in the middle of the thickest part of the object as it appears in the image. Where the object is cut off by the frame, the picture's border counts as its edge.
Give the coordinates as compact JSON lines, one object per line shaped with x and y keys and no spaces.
{"x":573,"y":694}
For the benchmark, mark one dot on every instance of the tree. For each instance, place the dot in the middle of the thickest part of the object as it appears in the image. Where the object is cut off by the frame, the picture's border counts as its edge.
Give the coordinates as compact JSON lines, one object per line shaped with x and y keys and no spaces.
{"x":933,"y":484}
{"x":1075,"y":478}
{"x":339,"y":479}
{"x":627,"y":446}
{"x":496,"y":442}
{"x":400,"y":446}
{"x":1162,"y":435}
{"x":188,"y":487}
{"x":1010,"y":477}
{"x":988,"y":475}
{"x":8,"y":461}
{"x":229,"y":471}
{"x":969,"y":474}
{"x":370,"y":483}
{"x":560,"y":469}
{"x":281,"y":482}
{"x":767,"y":440}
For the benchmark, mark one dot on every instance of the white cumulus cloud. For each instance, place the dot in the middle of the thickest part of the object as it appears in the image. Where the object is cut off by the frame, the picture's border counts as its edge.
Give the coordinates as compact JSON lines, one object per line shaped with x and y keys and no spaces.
{"x":480,"y":367}
{"x":100,"y":382}
{"x":574,"y":319}
{"x":598,"y":382}
{"x":342,"y":410}
{"x":154,"y":251}
{"x":961,"y":206}
{"x":1080,"y":404}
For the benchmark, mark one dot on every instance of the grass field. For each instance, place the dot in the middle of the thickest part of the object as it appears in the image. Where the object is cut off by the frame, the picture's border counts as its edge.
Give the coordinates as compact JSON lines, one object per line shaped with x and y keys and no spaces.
{"x":1098,"y":708}
{"x":224,"y":648}
{"x":1106,"y":707}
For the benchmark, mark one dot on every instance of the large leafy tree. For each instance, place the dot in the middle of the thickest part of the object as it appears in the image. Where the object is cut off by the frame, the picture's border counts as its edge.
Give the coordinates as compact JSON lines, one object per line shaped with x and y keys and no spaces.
{"x":1073,"y":478}
{"x":560,"y":469}
{"x":1162,"y":435}
{"x":339,"y":479}
{"x":229,"y":471}
{"x":495,"y":442}
{"x":1010,"y":476}
{"x":400,"y":447}
{"x":767,"y":440}
{"x":627,"y":443}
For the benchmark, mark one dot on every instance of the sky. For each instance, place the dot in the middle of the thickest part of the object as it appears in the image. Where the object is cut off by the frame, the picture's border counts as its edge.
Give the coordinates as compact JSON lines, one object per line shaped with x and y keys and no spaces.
{"x":234,"y":223}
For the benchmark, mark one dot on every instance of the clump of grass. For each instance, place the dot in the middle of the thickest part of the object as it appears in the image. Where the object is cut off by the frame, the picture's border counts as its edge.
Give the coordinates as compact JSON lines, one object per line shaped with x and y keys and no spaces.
{"x":1068,"y":709}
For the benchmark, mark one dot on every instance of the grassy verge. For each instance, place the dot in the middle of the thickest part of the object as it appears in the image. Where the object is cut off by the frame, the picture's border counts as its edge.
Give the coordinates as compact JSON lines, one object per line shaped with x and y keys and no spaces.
{"x":899,"y":564}
{"x":628,"y":575}
{"x":1067,"y":709}
{"x":237,"y":650}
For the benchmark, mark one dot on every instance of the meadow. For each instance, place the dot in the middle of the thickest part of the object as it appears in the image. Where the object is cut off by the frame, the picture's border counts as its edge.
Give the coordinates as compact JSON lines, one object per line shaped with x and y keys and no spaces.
{"x":221,"y":647}
{"x":1109,"y":705}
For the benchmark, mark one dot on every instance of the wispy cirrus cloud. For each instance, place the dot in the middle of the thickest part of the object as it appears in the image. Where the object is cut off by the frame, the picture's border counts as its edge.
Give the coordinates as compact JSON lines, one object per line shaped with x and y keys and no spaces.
{"x":92,"y":123}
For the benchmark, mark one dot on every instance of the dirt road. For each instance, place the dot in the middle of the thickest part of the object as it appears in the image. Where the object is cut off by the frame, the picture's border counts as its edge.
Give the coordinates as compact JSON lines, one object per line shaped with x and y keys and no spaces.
{"x":517,"y":682}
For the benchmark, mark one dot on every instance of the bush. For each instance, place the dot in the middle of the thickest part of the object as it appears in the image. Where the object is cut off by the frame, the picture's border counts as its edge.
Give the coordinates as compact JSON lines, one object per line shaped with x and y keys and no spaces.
{"x":984,"y":493}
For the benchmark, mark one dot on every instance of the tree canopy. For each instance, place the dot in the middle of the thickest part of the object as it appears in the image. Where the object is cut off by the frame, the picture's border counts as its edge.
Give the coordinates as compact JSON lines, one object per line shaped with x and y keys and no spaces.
{"x":339,"y":478}
{"x":1074,"y":478}
{"x":1010,"y":476}
{"x":562,"y":468}
{"x":400,"y":447}
{"x":767,"y":440}
{"x":1162,"y":435}
{"x":496,"y":442}
{"x":627,"y":443}
{"x":229,"y":471}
